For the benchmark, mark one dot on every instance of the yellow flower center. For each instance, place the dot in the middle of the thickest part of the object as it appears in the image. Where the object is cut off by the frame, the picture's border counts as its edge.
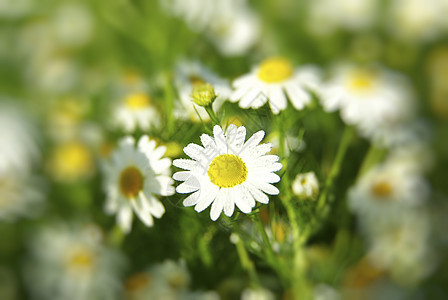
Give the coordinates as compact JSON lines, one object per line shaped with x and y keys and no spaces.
{"x":71,"y":160}
{"x":137,"y":282}
{"x":361,"y":81}
{"x":137,"y":101}
{"x":81,"y":259}
{"x":131,"y":182}
{"x":274,"y":70}
{"x":382,"y":189}
{"x":227,"y":171}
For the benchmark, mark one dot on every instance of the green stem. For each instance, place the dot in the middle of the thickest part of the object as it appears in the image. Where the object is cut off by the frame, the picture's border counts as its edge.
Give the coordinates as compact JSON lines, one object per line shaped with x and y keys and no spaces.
{"x":269,"y":251}
{"x":212,"y":114}
{"x":336,"y":167}
{"x":246,"y":263}
{"x":372,"y":157}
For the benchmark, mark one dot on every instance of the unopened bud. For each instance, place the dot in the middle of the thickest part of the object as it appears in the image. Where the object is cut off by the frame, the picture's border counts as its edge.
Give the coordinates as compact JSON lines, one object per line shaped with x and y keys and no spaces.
{"x":203,"y":94}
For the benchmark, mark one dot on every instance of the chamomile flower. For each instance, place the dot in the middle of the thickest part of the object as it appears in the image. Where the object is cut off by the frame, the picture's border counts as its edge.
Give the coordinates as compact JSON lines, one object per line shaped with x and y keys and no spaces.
{"x":401,"y":245}
{"x":134,"y":179}
{"x":70,"y":261}
{"x":377,"y":101}
{"x":273,"y":81}
{"x":227,"y":171}
{"x":306,"y":185}
{"x":190,"y":74}
{"x":386,"y":189}
{"x":136,"y":111}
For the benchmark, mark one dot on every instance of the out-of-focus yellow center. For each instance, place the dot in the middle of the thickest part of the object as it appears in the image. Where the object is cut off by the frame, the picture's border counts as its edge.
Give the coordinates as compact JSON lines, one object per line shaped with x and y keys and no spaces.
{"x":382,"y":189}
{"x":137,"y":101}
{"x":71,"y":160}
{"x":81,"y":259}
{"x":131,"y":182}
{"x":274,"y":70}
{"x":227,"y":170}
{"x":137,"y":281}
{"x":196,"y":80}
{"x":361,"y":81}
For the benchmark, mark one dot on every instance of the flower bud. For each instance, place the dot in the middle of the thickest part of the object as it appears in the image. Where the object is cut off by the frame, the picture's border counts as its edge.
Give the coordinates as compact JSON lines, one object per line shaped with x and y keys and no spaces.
{"x":203,"y":94}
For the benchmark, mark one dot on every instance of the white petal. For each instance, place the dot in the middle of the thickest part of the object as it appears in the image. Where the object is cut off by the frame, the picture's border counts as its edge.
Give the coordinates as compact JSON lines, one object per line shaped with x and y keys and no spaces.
{"x":206,"y":198}
{"x":192,"y":199}
{"x":155,"y":207}
{"x":186,"y":164}
{"x":143,"y":214}
{"x":265,"y":187}
{"x":124,"y":218}
{"x":189,"y":186}
{"x":217,"y":205}
{"x":182,"y":175}
{"x":277,"y":99}
{"x":229,"y":204}
{"x":194,"y":151}
{"x":266,"y":177}
{"x":165,"y":185}
{"x":220,"y":139}
{"x":298,"y":97}
{"x":254,"y":140}
{"x":241,"y":200}
{"x":254,"y":98}
{"x":257,"y":194}
{"x":161,"y":165}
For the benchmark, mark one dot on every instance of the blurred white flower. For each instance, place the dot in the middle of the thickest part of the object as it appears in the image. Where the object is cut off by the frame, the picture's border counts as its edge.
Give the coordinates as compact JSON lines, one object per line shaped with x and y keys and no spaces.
{"x":136,"y":111}
{"x":401,"y":245}
{"x":189,"y":74}
{"x":417,"y":20}
{"x":19,"y":151}
{"x":72,"y":24}
{"x":169,"y":280}
{"x":70,"y":261}
{"x":134,"y":176}
{"x":257,"y":294}
{"x":326,"y":16}
{"x":227,"y":171}
{"x":12,"y":9}
{"x":21,"y":195}
{"x":386,"y":189}
{"x":377,"y":101}
{"x":274,"y":80}
{"x":231,"y":25}
{"x":306,"y":185}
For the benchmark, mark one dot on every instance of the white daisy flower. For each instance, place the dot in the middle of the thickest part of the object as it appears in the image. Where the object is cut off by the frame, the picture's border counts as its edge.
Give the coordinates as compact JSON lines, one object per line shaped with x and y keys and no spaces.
{"x":401,"y":245}
{"x":386,"y":189}
{"x":133,"y":179}
{"x":376,"y":100}
{"x":306,"y":185}
{"x":274,"y":80}
{"x":21,"y":195}
{"x":417,"y":20}
{"x":136,"y":111}
{"x":190,"y":74}
{"x":227,"y":171}
{"x":326,"y":16}
{"x":69,"y":261}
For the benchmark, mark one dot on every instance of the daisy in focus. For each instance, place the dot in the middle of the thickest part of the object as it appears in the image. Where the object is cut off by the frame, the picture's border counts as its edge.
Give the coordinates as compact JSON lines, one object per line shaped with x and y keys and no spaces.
{"x":377,"y":101}
{"x":136,"y":111}
{"x":134,"y":179}
{"x":70,"y":261}
{"x":275,"y":80}
{"x":227,"y":171}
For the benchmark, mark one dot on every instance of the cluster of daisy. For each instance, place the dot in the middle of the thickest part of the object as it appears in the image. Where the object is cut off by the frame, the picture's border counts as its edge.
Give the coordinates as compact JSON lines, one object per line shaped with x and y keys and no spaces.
{"x":246,"y":139}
